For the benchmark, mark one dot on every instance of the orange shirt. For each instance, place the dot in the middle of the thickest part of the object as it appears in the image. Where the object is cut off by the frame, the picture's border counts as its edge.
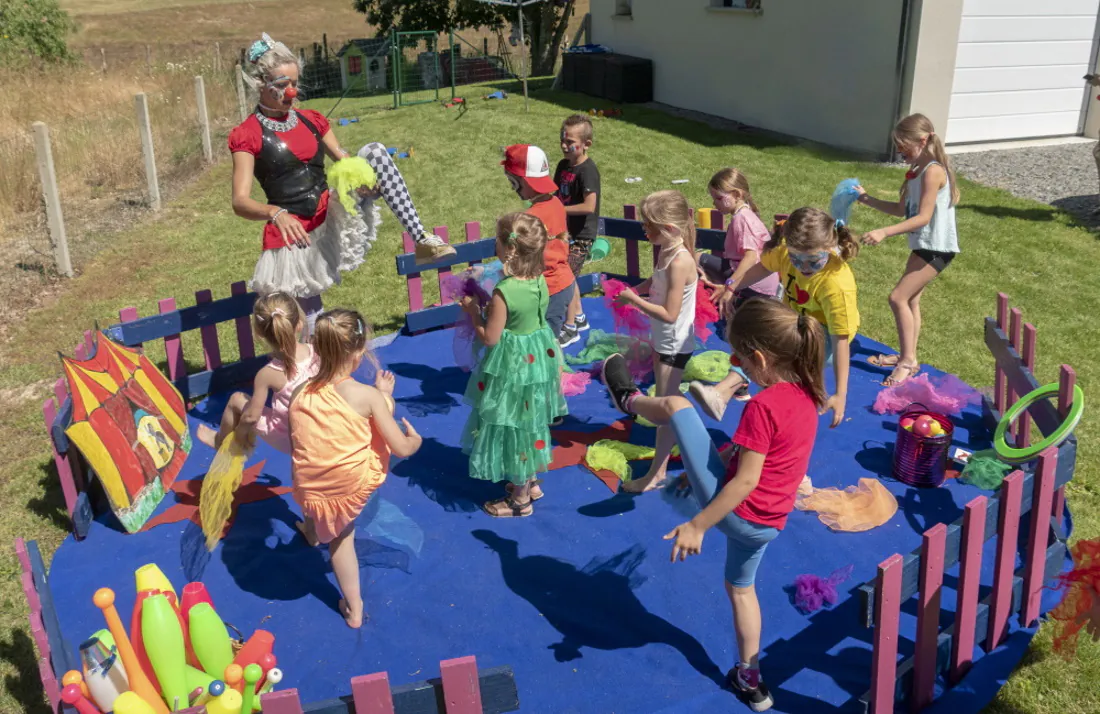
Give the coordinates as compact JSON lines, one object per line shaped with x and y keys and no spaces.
{"x":556,"y":256}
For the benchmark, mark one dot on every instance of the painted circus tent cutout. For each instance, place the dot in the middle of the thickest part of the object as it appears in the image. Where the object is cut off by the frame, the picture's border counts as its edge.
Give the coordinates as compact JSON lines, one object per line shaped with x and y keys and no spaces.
{"x":130,"y":424}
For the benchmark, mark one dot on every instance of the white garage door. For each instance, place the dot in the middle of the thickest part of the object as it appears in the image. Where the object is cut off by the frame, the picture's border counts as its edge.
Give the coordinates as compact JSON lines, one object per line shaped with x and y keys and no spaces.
{"x":1019,"y":69}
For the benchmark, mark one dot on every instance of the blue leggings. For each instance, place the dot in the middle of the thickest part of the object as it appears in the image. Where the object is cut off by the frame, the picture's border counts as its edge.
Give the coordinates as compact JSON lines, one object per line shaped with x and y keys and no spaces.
{"x":746,"y":541}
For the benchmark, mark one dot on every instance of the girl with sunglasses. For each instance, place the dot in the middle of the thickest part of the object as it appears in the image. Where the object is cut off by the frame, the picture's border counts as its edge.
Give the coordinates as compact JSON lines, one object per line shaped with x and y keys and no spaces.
{"x":810,"y":252}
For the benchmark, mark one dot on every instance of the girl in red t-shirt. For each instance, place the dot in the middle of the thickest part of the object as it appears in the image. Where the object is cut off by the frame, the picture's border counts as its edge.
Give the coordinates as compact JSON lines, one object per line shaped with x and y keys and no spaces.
{"x":748,"y":490}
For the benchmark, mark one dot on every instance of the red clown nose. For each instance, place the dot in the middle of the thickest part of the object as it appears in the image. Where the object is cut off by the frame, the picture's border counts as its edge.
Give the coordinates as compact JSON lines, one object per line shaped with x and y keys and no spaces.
{"x":291,"y":93}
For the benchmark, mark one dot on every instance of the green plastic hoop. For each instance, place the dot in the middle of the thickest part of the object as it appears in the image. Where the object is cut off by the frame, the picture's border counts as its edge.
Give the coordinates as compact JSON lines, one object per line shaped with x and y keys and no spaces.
{"x":1012,"y":455}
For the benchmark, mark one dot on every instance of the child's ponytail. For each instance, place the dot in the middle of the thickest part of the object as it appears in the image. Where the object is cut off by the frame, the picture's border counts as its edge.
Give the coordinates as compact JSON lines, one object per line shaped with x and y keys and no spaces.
{"x":810,"y":359}
{"x":277,"y":319}
{"x":846,"y":242}
{"x":339,"y":336}
{"x":913,"y":129}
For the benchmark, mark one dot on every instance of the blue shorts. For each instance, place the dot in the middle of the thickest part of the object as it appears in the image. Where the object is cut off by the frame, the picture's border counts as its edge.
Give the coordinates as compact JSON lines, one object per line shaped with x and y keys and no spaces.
{"x":746,"y":541}
{"x":558,"y":307}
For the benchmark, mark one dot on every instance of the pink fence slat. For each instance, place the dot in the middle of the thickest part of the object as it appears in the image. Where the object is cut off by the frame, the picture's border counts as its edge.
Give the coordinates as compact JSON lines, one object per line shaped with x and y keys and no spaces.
{"x":126,"y":314}
{"x":1015,"y":322}
{"x":999,"y":380}
{"x":443,"y":233}
{"x":22,"y":556}
{"x":970,"y":573}
{"x":412,"y":281}
{"x":173,"y":346}
{"x":211,"y":352}
{"x":285,"y":701}
{"x":80,"y":352}
{"x":89,"y":338}
{"x":933,"y":543}
{"x":64,"y":472}
{"x":1039,"y":538}
{"x":61,"y":390}
{"x":473,"y":233}
{"x":633,"y":269}
{"x":1067,"y":378}
{"x":461,"y":688}
{"x":38,"y":634}
{"x":245,"y":343}
{"x":371,"y":694}
{"x":1023,"y":438}
{"x":1008,"y":527}
{"x":49,"y":683}
{"x":885,"y":653}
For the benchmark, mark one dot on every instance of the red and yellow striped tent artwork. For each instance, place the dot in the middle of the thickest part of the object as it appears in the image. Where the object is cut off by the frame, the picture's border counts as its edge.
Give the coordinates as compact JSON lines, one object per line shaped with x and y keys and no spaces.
{"x":130,"y":424}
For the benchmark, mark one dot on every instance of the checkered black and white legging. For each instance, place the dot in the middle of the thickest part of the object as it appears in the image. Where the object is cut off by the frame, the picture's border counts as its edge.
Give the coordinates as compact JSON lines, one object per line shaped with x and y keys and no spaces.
{"x":394,"y":190}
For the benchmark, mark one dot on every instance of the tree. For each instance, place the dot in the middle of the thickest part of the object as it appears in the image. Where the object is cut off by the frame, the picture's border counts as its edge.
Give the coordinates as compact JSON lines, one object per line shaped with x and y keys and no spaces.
{"x":34,"y":29}
{"x":544,"y":23}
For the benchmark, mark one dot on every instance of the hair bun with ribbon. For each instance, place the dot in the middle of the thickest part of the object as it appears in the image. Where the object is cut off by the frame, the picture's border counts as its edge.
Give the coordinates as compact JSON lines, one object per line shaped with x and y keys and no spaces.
{"x":260,"y":47}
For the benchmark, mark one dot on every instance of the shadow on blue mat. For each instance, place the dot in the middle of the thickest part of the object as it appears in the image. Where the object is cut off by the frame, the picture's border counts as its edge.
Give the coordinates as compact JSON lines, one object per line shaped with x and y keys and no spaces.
{"x":593,"y":607}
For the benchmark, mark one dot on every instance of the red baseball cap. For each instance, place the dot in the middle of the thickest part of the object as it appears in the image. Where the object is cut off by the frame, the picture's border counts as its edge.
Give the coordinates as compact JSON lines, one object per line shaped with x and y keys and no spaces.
{"x":529,"y":162}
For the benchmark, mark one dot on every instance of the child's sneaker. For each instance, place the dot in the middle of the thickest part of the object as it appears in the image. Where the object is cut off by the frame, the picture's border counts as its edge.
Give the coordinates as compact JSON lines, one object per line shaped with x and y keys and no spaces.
{"x":568,"y":336}
{"x":431,"y":248}
{"x":754,"y":694}
{"x":742,"y":394}
{"x":709,"y":400}
{"x":620,"y":385}
{"x":581,"y":321}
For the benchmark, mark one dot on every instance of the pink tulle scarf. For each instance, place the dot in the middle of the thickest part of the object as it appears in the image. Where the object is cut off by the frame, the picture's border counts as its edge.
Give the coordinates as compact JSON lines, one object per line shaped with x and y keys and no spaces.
{"x":947,"y":394}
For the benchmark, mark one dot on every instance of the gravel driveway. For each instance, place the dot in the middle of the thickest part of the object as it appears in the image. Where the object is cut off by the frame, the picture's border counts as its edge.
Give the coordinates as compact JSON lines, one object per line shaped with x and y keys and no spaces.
{"x":1063,"y":176}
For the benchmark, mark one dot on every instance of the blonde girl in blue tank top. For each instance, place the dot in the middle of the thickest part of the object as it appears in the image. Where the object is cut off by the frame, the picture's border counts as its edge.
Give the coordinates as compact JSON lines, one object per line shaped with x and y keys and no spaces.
{"x":927,"y":203}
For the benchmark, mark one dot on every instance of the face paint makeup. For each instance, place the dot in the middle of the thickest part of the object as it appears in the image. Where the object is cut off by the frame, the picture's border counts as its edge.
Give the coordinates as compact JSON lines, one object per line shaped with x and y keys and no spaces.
{"x":809,"y":263}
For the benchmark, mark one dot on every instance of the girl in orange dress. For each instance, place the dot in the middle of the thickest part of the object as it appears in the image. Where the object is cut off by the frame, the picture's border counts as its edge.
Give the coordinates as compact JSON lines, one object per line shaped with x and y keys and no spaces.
{"x":342,"y":433}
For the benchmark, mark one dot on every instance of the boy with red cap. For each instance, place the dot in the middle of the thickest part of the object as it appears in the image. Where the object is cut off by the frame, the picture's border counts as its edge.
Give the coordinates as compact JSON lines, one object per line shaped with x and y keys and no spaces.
{"x":528,"y":171}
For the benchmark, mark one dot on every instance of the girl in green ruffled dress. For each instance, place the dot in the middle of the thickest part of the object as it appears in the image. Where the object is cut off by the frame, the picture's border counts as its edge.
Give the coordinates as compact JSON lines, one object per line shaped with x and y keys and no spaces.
{"x":516,"y":390}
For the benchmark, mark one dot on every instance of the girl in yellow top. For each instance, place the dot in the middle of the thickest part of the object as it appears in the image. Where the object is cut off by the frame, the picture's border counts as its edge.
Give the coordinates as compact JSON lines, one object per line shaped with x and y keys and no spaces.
{"x":342,"y":433}
{"x":810,"y":252}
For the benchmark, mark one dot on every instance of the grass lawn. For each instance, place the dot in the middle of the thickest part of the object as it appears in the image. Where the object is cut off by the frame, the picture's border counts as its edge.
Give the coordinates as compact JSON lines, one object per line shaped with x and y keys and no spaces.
{"x":1031,"y":251}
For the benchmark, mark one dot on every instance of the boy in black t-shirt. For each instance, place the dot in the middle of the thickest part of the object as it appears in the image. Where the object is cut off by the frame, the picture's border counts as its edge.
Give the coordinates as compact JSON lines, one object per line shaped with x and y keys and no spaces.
{"x":578,"y":182}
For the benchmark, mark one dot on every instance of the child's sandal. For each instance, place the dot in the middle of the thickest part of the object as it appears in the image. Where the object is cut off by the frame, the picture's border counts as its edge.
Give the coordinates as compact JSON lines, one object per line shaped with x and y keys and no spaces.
{"x":905,"y":372}
{"x":515,"y":509}
{"x":536,"y":489}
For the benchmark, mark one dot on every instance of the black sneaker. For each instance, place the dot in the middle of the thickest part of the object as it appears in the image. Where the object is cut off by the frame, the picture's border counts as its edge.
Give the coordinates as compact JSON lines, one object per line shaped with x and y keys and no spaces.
{"x":616,"y":377}
{"x":581,"y":321}
{"x":757,"y":698}
{"x":568,"y":336}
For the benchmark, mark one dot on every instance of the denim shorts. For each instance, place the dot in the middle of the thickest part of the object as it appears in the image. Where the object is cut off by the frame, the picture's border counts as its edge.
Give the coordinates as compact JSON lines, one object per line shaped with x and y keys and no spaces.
{"x":557,"y":308}
{"x":746,"y":541}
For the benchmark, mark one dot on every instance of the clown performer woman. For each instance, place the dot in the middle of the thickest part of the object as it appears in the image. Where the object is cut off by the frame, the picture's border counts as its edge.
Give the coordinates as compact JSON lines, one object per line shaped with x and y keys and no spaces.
{"x":309,"y":239}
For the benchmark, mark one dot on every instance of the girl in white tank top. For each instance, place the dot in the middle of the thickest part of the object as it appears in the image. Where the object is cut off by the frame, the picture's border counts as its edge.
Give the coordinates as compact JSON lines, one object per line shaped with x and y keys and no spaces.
{"x":670,"y":308}
{"x":927,"y":203}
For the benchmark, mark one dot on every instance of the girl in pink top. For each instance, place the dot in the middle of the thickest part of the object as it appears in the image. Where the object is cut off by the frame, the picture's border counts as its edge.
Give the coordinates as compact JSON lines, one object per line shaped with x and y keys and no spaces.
{"x":279,"y":321}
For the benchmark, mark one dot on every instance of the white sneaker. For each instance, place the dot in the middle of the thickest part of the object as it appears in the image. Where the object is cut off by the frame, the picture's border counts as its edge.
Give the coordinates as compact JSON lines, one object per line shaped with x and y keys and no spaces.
{"x":709,"y":401}
{"x":431,"y":248}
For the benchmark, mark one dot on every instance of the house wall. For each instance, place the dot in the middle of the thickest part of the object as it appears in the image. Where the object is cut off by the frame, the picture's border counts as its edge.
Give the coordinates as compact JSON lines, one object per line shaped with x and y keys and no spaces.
{"x":820,"y":70}
{"x":930,"y":67}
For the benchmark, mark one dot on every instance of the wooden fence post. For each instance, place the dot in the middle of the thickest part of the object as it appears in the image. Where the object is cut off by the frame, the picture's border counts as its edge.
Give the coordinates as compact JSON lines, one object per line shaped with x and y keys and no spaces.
{"x":241,"y":103}
{"x":145,"y":129}
{"x":204,"y":119}
{"x":55,"y":220}
{"x":217,"y":57}
{"x":103,"y":59}
{"x":149,"y":59}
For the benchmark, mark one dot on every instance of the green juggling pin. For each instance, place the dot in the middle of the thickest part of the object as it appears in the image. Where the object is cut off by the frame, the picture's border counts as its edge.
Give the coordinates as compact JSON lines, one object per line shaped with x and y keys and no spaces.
{"x":163,"y":638}
{"x":210,"y":639}
{"x":252,"y":674}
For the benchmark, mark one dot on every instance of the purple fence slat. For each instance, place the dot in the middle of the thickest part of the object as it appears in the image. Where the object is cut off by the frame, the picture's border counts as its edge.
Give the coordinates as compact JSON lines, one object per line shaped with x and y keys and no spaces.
{"x":173,"y":346}
{"x":413,"y":281}
{"x":1067,"y":378}
{"x":885,"y":654}
{"x":970,"y":572}
{"x":999,"y":381}
{"x":1039,"y":537}
{"x":64,"y":471}
{"x":211,"y":352}
{"x":461,"y":688}
{"x":633,"y":269}
{"x":371,"y":694}
{"x":933,"y":544}
{"x":473,"y":233}
{"x":1008,"y":528}
{"x":1015,"y":323}
{"x":245,"y":343}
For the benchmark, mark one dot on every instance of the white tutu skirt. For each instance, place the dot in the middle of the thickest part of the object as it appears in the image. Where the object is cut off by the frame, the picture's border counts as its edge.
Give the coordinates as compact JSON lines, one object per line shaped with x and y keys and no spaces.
{"x":338,"y":245}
